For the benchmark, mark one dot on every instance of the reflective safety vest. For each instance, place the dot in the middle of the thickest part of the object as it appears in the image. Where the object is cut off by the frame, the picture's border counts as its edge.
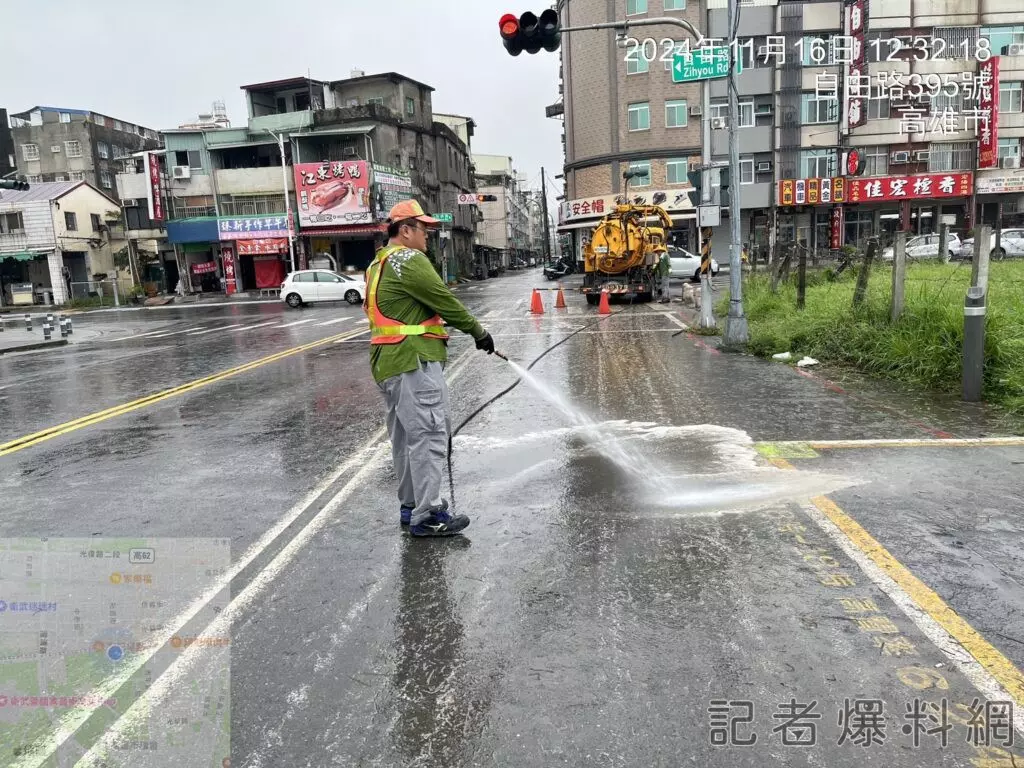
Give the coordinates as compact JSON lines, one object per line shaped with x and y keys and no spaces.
{"x":385,"y":330}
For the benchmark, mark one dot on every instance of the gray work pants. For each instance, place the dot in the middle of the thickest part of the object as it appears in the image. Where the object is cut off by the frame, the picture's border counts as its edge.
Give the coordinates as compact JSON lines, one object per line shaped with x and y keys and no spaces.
{"x":419,"y":422}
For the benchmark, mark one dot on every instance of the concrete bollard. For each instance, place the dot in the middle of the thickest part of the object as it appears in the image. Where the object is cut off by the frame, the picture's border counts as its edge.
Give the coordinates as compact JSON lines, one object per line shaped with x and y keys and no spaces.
{"x":47,"y":328}
{"x":974,"y":344}
{"x":70,"y":329}
{"x":28,"y":322}
{"x":63,"y":327}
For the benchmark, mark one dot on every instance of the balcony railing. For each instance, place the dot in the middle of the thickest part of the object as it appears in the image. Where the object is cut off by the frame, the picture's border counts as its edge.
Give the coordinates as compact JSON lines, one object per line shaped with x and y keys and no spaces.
{"x":193,"y":211}
{"x":257,"y":205}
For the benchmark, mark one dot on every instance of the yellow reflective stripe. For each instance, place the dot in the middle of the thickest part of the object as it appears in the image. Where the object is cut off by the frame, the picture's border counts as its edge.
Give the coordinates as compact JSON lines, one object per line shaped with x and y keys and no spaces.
{"x":406,"y":330}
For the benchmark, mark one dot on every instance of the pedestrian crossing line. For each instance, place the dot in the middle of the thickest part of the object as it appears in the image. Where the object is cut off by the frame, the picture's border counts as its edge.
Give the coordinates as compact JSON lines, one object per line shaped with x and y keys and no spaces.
{"x":253,"y":327}
{"x":332,"y":322}
{"x":35,"y":438}
{"x":366,"y":460}
{"x":351,"y":339}
{"x":156,"y":334}
{"x":988,"y":669}
{"x":297,"y":322}
{"x":218,"y":328}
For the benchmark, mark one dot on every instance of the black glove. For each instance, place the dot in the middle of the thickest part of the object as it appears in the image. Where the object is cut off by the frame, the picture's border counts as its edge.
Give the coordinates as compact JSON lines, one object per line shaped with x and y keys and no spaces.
{"x":486,"y":343}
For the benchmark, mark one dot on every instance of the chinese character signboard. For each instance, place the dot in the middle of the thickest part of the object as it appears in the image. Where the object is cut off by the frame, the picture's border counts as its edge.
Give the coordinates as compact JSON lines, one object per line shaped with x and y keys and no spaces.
{"x":988,"y":102}
{"x":333,"y":194}
{"x":153,"y":195}
{"x":252,"y":227}
{"x":811,"y":191}
{"x":201,"y":269}
{"x":262,"y":245}
{"x":390,"y":187}
{"x":996,"y":184}
{"x":865,"y":190}
{"x":596,"y":207}
{"x":836,"y":233}
{"x":856,"y":100}
{"x":929,"y":185}
{"x":227,"y":254}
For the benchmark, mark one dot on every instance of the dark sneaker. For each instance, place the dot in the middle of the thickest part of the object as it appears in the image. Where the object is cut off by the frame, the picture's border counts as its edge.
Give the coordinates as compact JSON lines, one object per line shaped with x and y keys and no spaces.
{"x":440,"y":523}
{"x":404,"y":515}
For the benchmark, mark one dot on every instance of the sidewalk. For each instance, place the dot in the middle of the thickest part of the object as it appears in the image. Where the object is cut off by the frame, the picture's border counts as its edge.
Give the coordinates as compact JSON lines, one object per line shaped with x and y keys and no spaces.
{"x":23,"y":341}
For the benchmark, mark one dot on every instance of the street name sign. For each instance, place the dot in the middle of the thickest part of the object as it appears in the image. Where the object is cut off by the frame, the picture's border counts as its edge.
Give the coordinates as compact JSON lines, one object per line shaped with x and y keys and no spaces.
{"x":702,"y":64}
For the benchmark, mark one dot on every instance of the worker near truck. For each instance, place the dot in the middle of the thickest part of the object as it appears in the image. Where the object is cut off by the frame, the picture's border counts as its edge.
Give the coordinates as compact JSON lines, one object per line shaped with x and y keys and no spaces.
{"x":664,"y":267}
{"x":407,"y":305}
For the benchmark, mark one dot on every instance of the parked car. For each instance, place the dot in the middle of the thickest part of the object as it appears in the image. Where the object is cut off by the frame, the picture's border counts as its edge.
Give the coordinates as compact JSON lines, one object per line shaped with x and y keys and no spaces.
{"x":927,"y":247}
{"x":686,"y":264}
{"x":306,"y":286}
{"x":1011,"y":243}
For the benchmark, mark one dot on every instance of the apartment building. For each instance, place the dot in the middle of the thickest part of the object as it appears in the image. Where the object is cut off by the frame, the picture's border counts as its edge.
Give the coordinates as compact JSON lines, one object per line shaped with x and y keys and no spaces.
{"x":622,"y":112}
{"x":61,"y":144}
{"x":350,"y":148}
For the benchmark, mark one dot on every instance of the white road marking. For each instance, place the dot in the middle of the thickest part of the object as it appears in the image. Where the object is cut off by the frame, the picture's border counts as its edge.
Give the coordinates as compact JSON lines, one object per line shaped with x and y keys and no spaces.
{"x":332,"y":322}
{"x":218,"y":328}
{"x":251,"y":327}
{"x":156,"y":334}
{"x":353,"y":339}
{"x":372,"y":453}
{"x":941,"y":442}
{"x":675,"y":320}
{"x":956,"y":653}
{"x":298,"y":322}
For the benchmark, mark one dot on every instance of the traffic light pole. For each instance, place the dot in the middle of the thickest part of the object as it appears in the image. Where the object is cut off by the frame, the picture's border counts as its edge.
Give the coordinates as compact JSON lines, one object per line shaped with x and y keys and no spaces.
{"x":624,"y":26}
{"x":736,"y":333}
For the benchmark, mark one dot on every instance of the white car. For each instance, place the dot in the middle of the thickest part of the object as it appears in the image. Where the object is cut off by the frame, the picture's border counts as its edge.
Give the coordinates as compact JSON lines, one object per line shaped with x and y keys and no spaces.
{"x":927,"y":247}
{"x":1011,"y":243}
{"x":686,"y":264}
{"x":306,"y":286}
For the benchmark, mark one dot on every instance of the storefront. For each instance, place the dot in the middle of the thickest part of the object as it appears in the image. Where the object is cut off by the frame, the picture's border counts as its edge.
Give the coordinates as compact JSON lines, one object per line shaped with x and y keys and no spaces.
{"x":1001,"y":198}
{"x":577,"y":218}
{"x":24,"y":278}
{"x":343,"y":249}
{"x":824,"y":214}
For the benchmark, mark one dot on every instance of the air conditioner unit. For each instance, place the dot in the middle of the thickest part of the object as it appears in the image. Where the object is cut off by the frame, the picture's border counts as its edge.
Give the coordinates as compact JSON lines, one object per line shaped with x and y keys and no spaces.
{"x":764,"y":167}
{"x":55,"y":148}
{"x":921,"y":156}
{"x":348,"y":152}
{"x":181,"y":172}
{"x":696,"y":111}
{"x":1011,"y":162}
{"x":900,"y":157}
{"x":765,"y":109}
{"x":718,"y":122}
{"x":129,"y":203}
{"x":1017,"y":49}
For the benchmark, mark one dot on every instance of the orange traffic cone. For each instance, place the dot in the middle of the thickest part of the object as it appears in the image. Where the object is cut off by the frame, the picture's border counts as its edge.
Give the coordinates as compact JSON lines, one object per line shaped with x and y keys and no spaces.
{"x":536,"y":304}
{"x":560,"y":299}
{"x":603,"y":308}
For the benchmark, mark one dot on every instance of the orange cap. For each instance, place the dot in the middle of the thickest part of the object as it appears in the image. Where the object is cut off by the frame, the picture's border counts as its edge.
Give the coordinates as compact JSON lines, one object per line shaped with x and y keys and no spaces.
{"x":411,"y":209}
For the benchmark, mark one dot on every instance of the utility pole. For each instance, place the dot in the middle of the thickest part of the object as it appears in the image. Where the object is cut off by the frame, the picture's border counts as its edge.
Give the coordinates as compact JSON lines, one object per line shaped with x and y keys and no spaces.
{"x":736,"y":332}
{"x":707,"y":314}
{"x":544,"y":215}
{"x":287,"y":197}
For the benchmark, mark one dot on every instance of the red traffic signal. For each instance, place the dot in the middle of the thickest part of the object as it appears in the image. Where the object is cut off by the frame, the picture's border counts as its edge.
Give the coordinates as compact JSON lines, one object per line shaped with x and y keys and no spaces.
{"x":530,"y":32}
{"x":486,"y":198}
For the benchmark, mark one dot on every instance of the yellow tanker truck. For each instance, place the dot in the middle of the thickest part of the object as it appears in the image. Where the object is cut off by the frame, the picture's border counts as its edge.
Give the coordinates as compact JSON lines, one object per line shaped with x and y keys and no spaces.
{"x":623,"y":253}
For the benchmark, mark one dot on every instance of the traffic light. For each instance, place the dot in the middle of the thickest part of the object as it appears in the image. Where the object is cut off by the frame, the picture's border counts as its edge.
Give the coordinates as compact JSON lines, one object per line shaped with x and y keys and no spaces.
{"x":530,"y":32}
{"x":487,"y":198}
{"x":17,"y":184}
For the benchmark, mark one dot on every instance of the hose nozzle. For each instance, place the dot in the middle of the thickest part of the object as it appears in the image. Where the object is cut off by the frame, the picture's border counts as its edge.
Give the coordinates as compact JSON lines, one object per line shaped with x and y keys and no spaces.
{"x":501,"y":355}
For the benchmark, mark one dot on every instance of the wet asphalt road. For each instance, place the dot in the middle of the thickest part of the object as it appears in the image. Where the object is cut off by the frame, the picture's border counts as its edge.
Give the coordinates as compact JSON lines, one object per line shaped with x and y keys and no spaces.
{"x":591,"y":617}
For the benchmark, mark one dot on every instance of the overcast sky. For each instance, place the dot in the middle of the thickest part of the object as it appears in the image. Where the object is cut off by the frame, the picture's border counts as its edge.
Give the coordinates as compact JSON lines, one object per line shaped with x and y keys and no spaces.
{"x":159,"y":64}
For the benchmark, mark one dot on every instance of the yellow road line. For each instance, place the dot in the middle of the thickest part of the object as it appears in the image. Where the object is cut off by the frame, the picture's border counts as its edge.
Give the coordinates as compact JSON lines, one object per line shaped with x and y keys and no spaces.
{"x":1004,"y":671}
{"x":805,"y":448}
{"x":28,"y":441}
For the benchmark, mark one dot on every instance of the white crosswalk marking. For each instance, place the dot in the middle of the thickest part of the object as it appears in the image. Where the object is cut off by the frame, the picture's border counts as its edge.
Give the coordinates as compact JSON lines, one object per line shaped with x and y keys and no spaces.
{"x":252,"y":327}
{"x":157,"y":334}
{"x":332,"y":322}
{"x":298,"y":322}
{"x":219,"y":328}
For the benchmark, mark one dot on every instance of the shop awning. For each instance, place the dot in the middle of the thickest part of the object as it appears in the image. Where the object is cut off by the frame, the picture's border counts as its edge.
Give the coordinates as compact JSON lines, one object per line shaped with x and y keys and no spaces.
{"x":350,"y":130}
{"x":22,"y":256}
{"x":357,"y":231}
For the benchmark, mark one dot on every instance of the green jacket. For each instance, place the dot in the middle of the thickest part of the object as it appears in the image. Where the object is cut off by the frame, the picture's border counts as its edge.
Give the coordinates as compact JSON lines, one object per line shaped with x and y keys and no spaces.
{"x":664,"y":265}
{"x":410,"y":291}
